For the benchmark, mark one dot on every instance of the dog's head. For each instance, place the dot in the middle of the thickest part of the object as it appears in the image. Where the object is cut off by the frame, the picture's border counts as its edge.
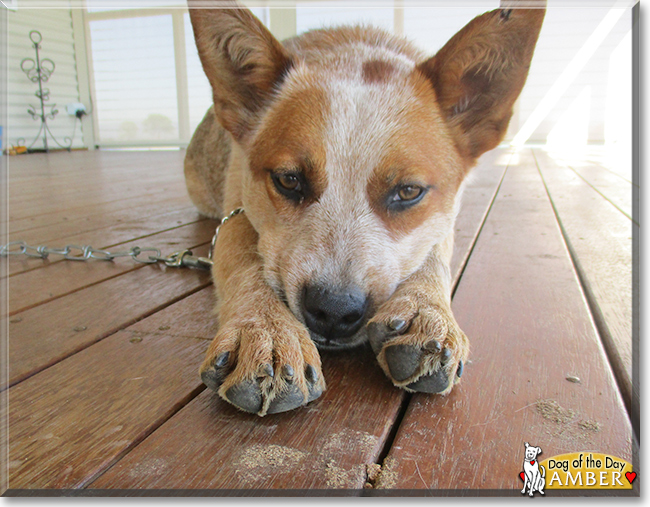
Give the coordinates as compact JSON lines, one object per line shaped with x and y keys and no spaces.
{"x":356,"y":146}
{"x":532,"y":452}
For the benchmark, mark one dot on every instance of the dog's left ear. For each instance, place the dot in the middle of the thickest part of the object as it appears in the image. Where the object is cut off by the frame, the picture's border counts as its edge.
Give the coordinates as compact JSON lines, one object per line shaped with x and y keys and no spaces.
{"x":479,"y":73}
{"x":539,"y":451}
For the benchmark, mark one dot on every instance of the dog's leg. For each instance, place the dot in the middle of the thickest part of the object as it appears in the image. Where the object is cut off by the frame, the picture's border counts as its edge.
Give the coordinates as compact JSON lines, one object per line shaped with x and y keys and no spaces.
{"x":414,"y":334}
{"x":542,"y":480}
{"x":262,"y":359}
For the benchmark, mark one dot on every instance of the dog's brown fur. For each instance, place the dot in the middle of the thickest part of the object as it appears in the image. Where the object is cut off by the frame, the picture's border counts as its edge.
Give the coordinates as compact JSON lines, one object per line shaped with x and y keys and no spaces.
{"x":357,"y":112}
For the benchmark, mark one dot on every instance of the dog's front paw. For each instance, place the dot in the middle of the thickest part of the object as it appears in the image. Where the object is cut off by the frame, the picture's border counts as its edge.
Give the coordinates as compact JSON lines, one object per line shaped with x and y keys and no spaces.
{"x":264,"y":365}
{"x":418,"y":344}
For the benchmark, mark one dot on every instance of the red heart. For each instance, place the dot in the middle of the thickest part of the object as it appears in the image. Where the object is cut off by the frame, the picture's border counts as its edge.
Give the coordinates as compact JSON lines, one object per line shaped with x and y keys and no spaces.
{"x":522,"y":476}
{"x":630,"y":476}
{"x":532,"y":462}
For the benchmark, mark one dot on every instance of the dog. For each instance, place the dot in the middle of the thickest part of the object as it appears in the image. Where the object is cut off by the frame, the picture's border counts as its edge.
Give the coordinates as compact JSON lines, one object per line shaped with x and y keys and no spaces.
{"x":534,"y":473}
{"x":347,"y":149}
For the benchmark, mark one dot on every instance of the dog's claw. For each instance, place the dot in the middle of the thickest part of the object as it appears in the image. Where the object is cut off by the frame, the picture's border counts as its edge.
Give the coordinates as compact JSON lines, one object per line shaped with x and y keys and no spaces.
{"x":445,"y":355}
{"x":267,"y":370}
{"x":214,"y":377}
{"x":397,"y":325}
{"x":287,"y":372}
{"x":459,"y":371}
{"x":247,"y":396}
{"x":311,"y":374}
{"x":435,"y":382}
{"x":222,"y":360}
{"x":433,"y":346}
{"x":402,"y":360}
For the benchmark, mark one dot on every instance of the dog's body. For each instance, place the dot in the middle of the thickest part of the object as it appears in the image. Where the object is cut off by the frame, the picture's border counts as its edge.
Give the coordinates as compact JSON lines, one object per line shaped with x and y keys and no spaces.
{"x":534,"y":473}
{"x":347,"y":149}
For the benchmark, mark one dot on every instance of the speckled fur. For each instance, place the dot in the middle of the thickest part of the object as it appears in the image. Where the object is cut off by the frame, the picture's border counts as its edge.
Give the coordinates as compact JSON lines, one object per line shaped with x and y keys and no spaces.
{"x":361,"y":108}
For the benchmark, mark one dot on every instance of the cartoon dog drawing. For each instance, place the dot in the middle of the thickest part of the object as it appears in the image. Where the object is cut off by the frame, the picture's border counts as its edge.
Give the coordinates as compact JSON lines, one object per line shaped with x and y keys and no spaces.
{"x":534,"y":473}
{"x":347,"y":148}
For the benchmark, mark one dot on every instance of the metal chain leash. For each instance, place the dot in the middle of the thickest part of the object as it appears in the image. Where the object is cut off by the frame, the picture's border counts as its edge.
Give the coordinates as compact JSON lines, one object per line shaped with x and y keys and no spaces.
{"x":183,"y":258}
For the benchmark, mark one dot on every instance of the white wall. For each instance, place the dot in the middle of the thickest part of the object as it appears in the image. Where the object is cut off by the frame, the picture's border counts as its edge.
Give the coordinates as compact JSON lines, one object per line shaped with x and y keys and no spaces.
{"x":57,"y":44}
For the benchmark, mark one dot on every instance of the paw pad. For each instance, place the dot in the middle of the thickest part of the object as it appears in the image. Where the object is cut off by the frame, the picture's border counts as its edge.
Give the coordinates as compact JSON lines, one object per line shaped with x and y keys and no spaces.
{"x":409,"y":364}
{"x":268,"y":393}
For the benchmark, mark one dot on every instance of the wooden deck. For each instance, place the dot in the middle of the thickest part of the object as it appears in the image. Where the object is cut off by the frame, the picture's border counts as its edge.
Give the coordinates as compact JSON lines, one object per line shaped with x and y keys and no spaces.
{"x":104,"y":390}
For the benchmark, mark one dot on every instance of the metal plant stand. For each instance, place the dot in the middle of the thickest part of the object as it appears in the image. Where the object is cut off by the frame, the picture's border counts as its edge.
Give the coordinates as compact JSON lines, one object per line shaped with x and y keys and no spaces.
{"x":39,"y":71}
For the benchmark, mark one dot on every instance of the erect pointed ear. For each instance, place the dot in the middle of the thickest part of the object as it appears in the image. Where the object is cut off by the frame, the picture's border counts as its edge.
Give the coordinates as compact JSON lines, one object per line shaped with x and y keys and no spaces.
{"x":242,"y":60}
{"x":479,"y":73}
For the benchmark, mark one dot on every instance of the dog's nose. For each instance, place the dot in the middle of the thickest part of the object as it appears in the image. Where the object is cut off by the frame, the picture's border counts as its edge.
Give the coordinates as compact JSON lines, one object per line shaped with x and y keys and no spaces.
{"x":334,"y":313}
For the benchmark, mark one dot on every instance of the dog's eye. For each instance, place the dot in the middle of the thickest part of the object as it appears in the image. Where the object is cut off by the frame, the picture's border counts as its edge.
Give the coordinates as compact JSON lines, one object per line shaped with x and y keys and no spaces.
{"x":405,"y":196}
{"x":289,"y":182}
{"x":290,"y":185}
{"x":409,"y":193}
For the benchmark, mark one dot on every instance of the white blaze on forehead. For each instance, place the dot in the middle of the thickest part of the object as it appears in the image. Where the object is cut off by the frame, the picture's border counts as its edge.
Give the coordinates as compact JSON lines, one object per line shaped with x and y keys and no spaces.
{"x":348,"y":237}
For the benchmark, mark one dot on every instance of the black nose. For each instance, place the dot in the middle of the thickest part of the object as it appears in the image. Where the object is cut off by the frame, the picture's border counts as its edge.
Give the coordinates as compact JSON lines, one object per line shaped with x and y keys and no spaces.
{"x":333,"y":313}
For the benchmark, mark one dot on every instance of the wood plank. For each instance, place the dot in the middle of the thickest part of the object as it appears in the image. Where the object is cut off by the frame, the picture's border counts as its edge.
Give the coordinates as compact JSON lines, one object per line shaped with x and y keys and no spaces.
{"x":100,"y":177}
{"x":38,"y":286}
{"x":78,"y":417}
{"x":613,"y":188}
{"x":80,"y":162}
{"x":44,"y":335}
{"x":77,"y":229}
{"x":480,"y":189}
{"x":173,"y":193}
{"x":328,"y":445}
{"x":520,"y":303}
{"x":599,"y":238}
{"x":193,"y":317}
{"x":39,"y":206}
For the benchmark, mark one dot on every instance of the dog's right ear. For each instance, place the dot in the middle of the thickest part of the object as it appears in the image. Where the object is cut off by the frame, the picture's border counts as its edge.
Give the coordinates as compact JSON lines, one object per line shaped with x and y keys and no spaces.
{"x":243,"y":62}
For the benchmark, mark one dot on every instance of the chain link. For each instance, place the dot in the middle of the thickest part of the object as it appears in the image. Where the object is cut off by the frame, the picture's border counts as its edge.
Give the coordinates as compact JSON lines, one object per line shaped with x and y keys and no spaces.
{"x":233,"y":213}
{"x":184,"y":258}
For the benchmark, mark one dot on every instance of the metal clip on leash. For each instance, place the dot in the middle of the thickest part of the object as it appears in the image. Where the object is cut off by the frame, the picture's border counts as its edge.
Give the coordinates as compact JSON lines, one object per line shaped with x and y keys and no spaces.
{"x":184,"y":258}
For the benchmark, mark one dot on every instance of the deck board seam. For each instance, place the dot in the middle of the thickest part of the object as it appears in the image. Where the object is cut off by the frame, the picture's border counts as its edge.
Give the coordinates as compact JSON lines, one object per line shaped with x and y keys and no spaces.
{"x":106,"y":335}
{"x":599,"y":192}
{"x":135,"y":267}
{"x":146,"y":434}
{"x":611,"y":352}
{"x":470,"y":250}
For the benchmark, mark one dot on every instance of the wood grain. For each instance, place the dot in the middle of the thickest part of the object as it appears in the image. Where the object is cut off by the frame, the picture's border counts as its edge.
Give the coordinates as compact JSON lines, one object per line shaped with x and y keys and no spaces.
{"x":40,"y":184}
{"x":599,"y":238}
{"x":210,"y":444}
{"x":50,"y":332}
{"x":520,"y":303}
{"x":171,"y":192}
{"x":613,"y":188}
{"x":78,"y":417}
{"x":480,"y":189}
